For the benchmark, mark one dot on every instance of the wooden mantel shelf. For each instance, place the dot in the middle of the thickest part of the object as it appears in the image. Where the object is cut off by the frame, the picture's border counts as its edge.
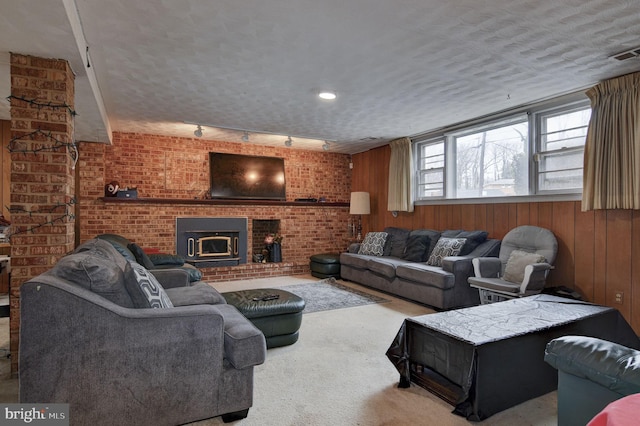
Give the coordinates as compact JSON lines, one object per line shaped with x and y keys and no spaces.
{"x":219,"y":202}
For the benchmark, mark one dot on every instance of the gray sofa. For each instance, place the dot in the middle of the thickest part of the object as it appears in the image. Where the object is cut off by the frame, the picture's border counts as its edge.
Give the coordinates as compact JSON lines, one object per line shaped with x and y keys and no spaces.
{"x":90,"y":336}
{"x":591,"y":374}
{"x":403,"y":270}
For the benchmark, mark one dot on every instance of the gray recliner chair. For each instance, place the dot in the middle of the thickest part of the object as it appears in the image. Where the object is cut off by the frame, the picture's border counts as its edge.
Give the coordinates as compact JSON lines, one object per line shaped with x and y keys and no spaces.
{"x":526,"y":255}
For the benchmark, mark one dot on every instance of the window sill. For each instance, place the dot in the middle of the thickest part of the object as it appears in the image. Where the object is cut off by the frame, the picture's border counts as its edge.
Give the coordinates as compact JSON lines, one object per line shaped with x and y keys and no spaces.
{"x":502,"y":200}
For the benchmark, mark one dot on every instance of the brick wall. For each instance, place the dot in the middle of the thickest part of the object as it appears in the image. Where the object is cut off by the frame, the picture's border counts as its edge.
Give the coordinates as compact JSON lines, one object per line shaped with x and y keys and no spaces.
{"x":42,"y":179}
{"x":178,"y":168}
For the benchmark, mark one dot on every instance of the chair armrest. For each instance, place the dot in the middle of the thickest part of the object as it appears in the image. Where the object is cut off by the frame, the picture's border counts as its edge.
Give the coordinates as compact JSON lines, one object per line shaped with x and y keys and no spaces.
{"x":609,"y":364}
{"x":534,"y":277}
{"x":171,"y":278}
{"x":487,"y":267}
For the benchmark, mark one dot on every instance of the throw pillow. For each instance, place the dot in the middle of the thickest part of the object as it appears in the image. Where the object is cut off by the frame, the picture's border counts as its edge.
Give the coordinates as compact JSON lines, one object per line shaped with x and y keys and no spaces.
{"x":474,"y":239}
{"x":433,"y":238}
{"x":373,"y":243}
{"x":518,"y":260}
{"x":144,"y":288}
{"x":416,"y":250}
{"x":445,"y":247}
{"x":396,"y":241}
{"x":141,"y":256}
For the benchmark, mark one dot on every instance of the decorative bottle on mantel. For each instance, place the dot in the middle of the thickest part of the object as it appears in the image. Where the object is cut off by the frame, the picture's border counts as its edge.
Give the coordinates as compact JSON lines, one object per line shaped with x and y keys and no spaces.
{"x":273,"y":247}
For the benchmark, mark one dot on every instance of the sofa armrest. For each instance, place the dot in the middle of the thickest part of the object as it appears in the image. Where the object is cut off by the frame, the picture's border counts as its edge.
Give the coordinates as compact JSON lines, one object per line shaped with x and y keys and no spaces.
{"x":353,"y":248}
{"x":244,"y":344}
{"x":171,"y":278}
{"x":166,"y":259}
{"x":456,"y":264}
{"x":487,"y":267}
{"x":609,"y":364}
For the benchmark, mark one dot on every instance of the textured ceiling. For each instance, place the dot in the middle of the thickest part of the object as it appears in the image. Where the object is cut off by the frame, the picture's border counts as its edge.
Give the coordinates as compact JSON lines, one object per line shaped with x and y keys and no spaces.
{"x":399,"y":68}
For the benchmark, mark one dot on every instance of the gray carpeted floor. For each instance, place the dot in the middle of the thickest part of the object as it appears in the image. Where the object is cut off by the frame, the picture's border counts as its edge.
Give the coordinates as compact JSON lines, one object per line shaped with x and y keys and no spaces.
{"x":337,"y":373}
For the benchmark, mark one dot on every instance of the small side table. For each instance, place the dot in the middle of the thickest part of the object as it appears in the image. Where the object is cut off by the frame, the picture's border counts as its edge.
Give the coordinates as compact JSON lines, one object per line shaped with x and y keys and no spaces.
{"x":325,"y":265}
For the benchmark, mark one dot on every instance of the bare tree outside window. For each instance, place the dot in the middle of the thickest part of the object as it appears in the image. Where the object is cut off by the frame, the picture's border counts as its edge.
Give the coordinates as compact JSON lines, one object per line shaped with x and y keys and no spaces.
{"x":489,"y":163}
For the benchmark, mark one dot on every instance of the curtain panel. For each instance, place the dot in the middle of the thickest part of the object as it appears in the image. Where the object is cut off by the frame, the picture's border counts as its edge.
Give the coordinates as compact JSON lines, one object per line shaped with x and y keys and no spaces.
{"x":400,"y":196}
{"x":611,"y":177}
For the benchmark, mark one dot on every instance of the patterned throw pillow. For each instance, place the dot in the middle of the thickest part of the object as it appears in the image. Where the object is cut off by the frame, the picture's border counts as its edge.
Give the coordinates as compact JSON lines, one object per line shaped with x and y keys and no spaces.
{"x":144,"y":288}
{"x":373,"y":243}
{"x":445,"y":247}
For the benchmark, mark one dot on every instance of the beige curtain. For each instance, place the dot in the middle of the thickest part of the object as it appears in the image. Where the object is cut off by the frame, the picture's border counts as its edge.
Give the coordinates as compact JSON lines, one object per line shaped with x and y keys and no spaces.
{"x":612,"y":149}
{"x":401,"y":176}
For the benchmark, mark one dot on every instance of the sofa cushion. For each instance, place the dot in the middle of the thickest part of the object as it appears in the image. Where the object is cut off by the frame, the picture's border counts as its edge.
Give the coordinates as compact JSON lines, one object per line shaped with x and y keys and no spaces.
{"x":105,"y":249}
{"x":433,"y":238}
{"x":360,"y":261}
{"x":518,"y":260}
{"x":373,"y":243}
{"x":424,"y":274}
{"x":474,"y":239}
{"x":93,"y":271}
{"x":445,"y":247}
{"x":396,"y":241}
{"x":140,"y":255}
{"x":385,"y":266}
{"x":144,"y":288}
{"x":416,"y":248}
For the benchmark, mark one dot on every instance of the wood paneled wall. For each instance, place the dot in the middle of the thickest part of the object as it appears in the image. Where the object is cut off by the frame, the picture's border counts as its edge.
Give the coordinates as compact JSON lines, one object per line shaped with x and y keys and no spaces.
{"x":599,"y":251}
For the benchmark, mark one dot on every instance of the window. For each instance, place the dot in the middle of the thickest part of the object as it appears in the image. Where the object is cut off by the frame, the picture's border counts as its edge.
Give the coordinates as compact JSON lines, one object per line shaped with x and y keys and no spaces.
{"x":561,"y":149}
{"x":534,"y":152}
{"x":491,"y":160}
{"x":431,"y":169}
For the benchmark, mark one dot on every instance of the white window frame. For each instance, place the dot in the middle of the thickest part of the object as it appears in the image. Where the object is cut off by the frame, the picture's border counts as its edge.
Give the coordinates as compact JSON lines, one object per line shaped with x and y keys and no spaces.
{"x":535,"y":114}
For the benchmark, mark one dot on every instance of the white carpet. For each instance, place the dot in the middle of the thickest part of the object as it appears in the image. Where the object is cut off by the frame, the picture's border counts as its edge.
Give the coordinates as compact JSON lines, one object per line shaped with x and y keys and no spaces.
{"x":338,"y":374}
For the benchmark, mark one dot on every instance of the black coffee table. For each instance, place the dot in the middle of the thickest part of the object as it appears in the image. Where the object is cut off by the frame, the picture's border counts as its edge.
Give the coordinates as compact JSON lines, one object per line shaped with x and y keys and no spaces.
{"x":488,"y":358}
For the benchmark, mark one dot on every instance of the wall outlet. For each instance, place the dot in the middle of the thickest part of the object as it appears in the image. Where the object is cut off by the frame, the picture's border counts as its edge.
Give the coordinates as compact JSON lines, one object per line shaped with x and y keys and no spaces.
{"x":618,"y":297}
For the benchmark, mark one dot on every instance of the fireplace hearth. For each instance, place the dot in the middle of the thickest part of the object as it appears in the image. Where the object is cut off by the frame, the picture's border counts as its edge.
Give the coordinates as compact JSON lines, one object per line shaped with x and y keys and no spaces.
{"x":212,"y":241}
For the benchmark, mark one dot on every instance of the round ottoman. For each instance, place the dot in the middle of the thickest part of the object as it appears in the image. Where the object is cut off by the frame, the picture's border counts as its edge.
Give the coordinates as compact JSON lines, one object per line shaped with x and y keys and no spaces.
{"x":325,"y":265}
{"x":277,"y":313}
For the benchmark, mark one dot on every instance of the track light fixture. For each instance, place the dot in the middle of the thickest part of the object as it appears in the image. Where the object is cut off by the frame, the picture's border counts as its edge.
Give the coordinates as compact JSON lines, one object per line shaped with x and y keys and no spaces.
{"x":198,"y":131}
{"x":288,"y":142}
{"x":326,"y":146}
{"x":245,"y":137}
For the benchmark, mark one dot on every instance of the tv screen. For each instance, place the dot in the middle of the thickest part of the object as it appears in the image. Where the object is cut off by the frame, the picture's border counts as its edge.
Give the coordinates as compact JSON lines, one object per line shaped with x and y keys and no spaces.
{"x":249,"y":177}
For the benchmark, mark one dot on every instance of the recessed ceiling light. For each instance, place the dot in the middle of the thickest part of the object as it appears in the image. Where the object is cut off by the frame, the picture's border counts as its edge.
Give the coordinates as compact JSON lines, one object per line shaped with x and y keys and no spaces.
{"x":329,"y":96}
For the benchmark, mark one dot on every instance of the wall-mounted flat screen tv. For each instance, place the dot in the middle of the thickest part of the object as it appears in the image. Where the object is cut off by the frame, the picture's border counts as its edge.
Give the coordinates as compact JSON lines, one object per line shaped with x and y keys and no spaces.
{"x":237,"y":176}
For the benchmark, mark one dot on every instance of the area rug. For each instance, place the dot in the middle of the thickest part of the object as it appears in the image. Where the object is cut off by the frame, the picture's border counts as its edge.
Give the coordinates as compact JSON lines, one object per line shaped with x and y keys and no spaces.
{"x":328,"y":294}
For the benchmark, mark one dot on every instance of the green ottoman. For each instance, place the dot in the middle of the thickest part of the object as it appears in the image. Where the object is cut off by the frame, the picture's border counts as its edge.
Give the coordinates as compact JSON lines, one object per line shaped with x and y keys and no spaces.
{"x":277,"y":313}
{"x":325,"y":265}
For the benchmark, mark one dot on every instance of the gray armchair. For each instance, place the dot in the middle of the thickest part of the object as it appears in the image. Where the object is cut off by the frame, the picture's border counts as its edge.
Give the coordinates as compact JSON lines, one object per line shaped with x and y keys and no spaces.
{"x":526,"y":255}
{"x":83,"y":341}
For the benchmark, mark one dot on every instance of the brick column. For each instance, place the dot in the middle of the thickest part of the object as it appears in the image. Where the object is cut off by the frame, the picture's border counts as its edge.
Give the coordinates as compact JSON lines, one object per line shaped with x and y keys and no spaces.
{"x":42,"y":178}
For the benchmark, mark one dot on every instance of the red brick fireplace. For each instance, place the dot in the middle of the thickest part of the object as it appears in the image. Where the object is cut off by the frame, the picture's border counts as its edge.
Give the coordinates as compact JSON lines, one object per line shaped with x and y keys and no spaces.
{"x":171,"y":176}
